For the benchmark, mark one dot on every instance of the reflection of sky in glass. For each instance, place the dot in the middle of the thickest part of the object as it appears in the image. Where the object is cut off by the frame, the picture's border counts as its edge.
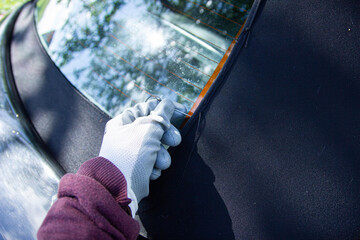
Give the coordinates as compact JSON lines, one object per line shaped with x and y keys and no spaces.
{"x":118,"y":53}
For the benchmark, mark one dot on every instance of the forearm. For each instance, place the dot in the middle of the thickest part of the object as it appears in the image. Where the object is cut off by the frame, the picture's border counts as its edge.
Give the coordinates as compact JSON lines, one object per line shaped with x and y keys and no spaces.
{"x":91,"y":204}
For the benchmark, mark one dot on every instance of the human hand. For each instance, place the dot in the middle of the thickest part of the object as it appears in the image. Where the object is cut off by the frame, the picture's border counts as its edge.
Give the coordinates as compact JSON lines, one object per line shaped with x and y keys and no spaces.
{"x":133,"y":141}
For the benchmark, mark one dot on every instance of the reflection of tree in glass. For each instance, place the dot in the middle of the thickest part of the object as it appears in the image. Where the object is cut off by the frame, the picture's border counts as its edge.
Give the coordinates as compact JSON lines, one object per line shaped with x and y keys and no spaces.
{"x":87,"y":25}
{"x":119,"y":53}
{"x":219,"y":16}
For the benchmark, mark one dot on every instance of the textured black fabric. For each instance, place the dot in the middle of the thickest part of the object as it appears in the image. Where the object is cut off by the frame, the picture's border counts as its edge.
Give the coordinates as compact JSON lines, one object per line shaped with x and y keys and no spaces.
{"x":71,"y":127}
{"x":279,"y":151}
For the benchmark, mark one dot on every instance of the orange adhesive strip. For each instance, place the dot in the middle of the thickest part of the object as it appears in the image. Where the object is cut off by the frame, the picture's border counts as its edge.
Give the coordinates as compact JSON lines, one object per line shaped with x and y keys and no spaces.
{"x":212,"y":78}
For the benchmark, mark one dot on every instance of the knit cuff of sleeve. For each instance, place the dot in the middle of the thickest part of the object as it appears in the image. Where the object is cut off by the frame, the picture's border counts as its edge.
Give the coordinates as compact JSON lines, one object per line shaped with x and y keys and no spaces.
{"x":107,"y":174}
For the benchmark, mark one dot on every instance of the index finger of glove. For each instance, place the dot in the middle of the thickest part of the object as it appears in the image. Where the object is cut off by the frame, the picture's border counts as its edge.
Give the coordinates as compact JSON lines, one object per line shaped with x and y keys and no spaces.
{"x":179,"y":113}
{"x":165,"y":109}
{"x":131,"y":114}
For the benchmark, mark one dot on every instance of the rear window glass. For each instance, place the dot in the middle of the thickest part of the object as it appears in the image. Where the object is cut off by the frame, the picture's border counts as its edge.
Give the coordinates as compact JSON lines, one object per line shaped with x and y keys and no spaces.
{"x":119,"y":53}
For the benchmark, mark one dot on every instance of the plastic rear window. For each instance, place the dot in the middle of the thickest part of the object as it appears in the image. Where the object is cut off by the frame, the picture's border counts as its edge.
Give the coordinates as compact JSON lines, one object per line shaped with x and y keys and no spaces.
{"x":119,"y":53}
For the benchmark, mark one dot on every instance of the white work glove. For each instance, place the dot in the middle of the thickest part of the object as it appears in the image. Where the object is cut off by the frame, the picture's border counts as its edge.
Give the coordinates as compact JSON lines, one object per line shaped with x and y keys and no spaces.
{"x":133,"y":142}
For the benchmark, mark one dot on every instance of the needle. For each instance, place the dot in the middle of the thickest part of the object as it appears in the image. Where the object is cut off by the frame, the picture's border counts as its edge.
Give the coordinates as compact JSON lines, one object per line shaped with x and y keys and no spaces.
{"x":188,"y":115}
{"x":159,"y":100}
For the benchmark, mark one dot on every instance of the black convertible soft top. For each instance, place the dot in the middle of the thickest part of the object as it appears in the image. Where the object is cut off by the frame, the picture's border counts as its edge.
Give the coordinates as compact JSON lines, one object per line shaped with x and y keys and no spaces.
{"x":274,"y":151}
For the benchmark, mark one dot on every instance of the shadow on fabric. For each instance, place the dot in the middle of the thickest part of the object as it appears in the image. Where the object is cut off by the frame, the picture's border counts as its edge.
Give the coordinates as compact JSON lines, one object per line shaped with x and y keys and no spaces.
{"x":184,"y":203}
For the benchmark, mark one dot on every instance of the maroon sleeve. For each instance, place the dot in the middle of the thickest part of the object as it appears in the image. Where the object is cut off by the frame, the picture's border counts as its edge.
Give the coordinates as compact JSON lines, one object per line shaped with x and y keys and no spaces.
{"x":92,"y":204}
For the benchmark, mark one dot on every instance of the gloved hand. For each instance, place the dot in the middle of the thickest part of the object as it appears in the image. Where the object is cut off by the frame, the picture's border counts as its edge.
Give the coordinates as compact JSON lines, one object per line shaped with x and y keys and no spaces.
{"x":133,"y":142}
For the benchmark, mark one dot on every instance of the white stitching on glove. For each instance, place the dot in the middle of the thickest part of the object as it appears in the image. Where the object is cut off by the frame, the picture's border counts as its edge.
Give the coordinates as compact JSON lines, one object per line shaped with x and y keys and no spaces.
{"x":133,"y":142}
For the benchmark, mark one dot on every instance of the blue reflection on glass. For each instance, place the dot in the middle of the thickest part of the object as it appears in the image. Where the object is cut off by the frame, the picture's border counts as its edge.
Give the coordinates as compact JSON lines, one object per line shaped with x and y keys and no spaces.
{"x":118,"y":53}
